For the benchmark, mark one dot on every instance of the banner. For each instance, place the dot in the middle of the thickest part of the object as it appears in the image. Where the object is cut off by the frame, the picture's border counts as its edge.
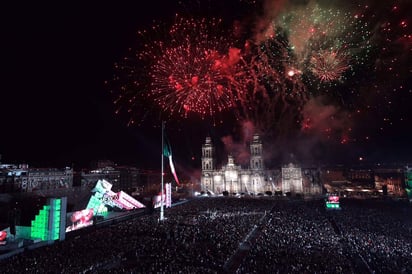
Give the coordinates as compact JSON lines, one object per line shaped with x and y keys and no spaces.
{"x":168,"y":195}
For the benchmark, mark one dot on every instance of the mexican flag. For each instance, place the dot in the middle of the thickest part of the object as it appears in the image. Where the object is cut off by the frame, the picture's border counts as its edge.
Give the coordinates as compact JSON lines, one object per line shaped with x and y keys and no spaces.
{"x":167,"y":152}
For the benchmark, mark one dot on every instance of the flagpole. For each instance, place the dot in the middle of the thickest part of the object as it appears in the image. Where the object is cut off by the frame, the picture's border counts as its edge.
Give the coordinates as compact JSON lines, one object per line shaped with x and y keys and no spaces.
{"x":162,"y":171}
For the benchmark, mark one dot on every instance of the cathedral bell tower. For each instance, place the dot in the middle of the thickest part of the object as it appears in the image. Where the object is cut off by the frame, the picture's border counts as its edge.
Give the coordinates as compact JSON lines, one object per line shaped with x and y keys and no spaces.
{"x":207,"y":155}
{"x":208,"y":165}
{"x":256,"y":153}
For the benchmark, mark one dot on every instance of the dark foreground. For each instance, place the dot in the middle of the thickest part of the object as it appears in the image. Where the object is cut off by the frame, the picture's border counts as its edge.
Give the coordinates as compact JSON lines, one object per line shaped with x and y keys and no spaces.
{"x":232,"y":235}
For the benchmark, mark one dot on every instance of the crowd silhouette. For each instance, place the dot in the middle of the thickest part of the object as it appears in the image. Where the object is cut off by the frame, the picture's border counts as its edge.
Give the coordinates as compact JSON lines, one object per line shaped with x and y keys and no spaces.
{"x":237,"y":235}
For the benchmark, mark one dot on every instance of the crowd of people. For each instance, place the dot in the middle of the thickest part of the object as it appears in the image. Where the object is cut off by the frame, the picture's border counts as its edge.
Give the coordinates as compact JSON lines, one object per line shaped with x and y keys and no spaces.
{"x":380,"y":232}
{"x":297,"y":238}
{"x":242,"y":235}
{"x":365,"y":237}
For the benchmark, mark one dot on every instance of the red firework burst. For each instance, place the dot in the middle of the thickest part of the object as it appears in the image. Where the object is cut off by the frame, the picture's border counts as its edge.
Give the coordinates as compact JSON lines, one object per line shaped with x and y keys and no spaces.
{"x":192,"y":70}
{"x":329,"y":65}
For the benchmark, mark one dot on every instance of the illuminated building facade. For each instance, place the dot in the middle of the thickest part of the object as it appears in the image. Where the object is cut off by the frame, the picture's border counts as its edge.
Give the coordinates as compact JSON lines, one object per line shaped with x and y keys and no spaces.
{"x":124,"y":178}
{"x":109,"y":173}
{"x":388,"y":180}
{"x":292,"y":179}
{"x":256,"y":178}
{"x":25,"y":179}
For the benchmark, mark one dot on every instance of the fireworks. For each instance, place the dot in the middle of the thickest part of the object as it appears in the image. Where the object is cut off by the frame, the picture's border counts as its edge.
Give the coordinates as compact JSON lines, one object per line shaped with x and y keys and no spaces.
{"x":325,"y":42}
{"x":329,"y":66}
{"x":273,"y":91}
{"x":194,"y":72}
{"x":191,"y":70}
{"x":201,"y":68}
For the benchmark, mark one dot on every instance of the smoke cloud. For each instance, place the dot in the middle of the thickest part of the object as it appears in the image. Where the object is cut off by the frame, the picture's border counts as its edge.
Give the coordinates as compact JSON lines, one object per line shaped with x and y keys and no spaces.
{"x":239,"y":148}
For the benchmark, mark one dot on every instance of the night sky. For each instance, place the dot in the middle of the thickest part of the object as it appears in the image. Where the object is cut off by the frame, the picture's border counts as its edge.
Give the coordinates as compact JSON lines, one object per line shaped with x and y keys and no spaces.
{"x":56,"y":109}
{"x":58,"y":66}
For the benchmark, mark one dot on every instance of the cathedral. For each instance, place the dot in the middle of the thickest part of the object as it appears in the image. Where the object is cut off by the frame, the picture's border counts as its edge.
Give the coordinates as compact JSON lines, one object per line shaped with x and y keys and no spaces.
{"x":289,"y":180}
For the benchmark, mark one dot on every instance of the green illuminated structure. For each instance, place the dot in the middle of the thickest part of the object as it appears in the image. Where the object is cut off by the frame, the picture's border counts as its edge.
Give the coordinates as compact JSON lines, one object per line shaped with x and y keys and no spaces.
{"x":40,"y":224}
{"x":332,"y":201}
{"x":332,"y":205}
{"x":96,"y":202}
{"x":50,"y":223}
{"x":408,"y":182}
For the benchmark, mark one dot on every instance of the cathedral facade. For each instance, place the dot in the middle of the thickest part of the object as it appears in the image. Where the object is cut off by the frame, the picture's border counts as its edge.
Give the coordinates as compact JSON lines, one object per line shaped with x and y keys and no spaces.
{"x":256,"y":178}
